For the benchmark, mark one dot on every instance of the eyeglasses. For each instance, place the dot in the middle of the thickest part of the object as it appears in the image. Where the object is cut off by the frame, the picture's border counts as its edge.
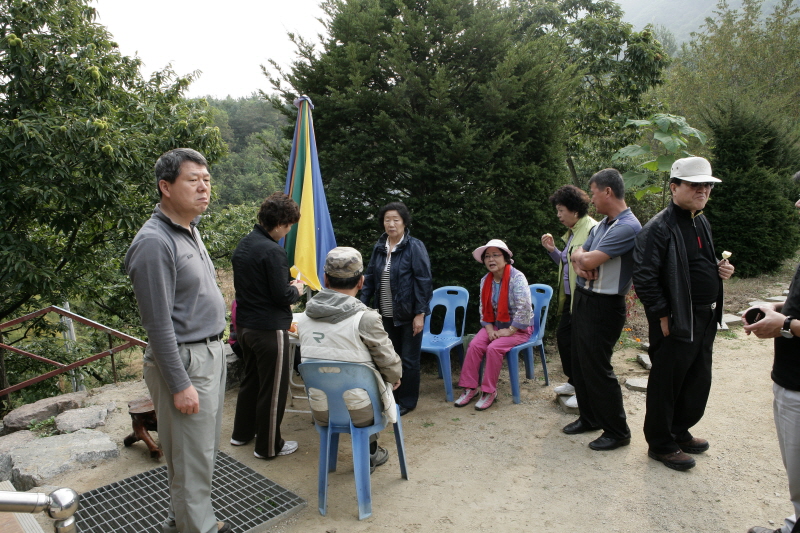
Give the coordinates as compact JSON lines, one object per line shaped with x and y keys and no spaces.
{"x":702,"y":185}
{"x":495,"y":256}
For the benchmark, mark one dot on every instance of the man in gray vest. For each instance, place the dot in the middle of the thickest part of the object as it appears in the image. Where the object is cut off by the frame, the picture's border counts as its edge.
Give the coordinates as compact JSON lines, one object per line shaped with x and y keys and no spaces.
{"x":338,"y":327}
{"x":183,"y":313}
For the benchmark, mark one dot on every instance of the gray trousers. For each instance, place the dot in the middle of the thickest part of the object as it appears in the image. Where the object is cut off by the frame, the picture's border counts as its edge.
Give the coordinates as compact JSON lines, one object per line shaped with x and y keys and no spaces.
{"x":190,"y":442}
{"x":786,"y":409}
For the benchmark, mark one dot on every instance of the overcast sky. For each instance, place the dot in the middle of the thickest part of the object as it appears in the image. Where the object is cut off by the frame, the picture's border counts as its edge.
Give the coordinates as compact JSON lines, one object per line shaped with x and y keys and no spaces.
{"x":227,"y":40}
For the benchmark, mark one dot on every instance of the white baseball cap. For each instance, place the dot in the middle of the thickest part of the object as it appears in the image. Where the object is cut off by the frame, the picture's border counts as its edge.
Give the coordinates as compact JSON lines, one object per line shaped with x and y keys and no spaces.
{"x":694,"y":169}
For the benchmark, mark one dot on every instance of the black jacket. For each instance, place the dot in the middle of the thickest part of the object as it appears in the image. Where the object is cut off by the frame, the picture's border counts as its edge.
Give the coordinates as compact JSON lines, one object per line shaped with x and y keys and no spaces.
{"x":261,"y":279}
{"x":661,"y":273}
{"x":410,"y":278}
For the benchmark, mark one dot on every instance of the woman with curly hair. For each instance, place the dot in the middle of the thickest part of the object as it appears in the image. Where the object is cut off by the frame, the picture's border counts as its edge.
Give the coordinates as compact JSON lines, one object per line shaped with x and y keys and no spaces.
{"x":264,"y":295}
{"x":572,"y":206}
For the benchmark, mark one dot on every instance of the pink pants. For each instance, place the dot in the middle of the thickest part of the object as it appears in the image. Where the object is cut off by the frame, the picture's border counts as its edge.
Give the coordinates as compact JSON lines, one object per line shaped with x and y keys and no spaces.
{"x":494,"y":352}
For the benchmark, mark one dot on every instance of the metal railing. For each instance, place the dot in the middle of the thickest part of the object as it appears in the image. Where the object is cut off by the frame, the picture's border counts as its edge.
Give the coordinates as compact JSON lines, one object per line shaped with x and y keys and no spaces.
{"x":60,"y":505}
{"x":61,"y":367}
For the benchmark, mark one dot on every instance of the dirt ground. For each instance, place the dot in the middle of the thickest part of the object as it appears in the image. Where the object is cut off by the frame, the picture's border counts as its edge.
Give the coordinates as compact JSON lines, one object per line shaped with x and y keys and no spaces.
{"x":510,"y":468}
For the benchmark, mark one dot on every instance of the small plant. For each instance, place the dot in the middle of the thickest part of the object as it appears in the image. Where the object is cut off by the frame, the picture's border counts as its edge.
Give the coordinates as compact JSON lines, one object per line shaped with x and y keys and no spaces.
{"x":44,"y":428}
{"x":455,"y":419}
{"x":428,"y":424}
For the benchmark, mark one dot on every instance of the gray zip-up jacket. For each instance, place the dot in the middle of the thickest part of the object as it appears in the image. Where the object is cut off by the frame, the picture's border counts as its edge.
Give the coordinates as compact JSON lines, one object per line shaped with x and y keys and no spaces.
{"x":176,"y":289}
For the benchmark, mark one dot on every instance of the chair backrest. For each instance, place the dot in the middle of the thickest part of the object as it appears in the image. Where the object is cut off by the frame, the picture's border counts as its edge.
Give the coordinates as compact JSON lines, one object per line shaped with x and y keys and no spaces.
{"x":540,"y":301}
{"x":336,"y":377}
{"x":451,"y":298}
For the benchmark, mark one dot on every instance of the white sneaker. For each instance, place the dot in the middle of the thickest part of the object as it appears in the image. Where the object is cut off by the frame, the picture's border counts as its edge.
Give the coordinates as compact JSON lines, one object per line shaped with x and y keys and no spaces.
{"x":289,"y":446}
{"x":566,"y":388}
{"x":572,"y":401}
{"x":235,"y":442}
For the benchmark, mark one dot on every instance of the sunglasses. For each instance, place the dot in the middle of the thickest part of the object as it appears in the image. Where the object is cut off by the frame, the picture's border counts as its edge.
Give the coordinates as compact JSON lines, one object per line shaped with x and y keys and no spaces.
{"x":701,"y":185}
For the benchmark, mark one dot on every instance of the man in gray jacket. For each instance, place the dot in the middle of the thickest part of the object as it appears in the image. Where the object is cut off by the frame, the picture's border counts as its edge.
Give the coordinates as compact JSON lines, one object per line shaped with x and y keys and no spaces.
{"x":183,"y":313}
{"x":338,"y":327}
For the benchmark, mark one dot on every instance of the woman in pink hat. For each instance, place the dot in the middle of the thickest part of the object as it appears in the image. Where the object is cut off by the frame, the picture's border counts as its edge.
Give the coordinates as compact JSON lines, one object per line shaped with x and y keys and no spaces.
{"x":506,"y":316}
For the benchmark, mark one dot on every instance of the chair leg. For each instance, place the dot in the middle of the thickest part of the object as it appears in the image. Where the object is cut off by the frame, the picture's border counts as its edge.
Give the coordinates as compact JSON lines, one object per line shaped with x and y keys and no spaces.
{"x":512,"y":357}
{"x":401,"y":446}
{"x":544,"y":364}
{"x":361,"y":469}
{"x":322,"y":477}
{"x":447,"y":374}
{"x":528,"y":356}
{"x":333,"y":451}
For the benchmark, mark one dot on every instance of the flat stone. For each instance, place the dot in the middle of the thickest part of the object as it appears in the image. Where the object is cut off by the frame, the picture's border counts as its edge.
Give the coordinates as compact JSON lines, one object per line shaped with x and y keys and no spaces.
{"x":562,"y":401}
{"x":644,"y":360}
{"x":56,"y":455}
{"x":731,"y":320}
{"x":786,"y":292}
{"x":722,"y":327}
{"x":84,"y":418}
{"x":21,"y":417}
{"x":9,"y":443}
{"x":645,"y":345}
{"x":637,"y":384}
{"x":759,"y":303}
{"x":776,"y":299}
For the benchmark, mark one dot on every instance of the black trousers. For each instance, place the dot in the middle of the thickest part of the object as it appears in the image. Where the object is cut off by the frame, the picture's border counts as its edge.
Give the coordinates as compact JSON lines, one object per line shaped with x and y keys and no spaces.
{"x":564,"y":340}
{"x":598,"y":321}
{"x":408,"y":347}
{"x":264,"y":389}
{"x":679,"y":383}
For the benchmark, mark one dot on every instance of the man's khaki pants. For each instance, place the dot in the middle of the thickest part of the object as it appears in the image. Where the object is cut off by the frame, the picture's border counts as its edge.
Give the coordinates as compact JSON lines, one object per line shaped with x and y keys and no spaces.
{"x":190,"y":442}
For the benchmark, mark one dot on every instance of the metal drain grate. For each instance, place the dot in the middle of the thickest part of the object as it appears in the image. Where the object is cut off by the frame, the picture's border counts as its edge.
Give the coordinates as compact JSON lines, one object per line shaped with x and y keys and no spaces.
{"x":240,"y":495}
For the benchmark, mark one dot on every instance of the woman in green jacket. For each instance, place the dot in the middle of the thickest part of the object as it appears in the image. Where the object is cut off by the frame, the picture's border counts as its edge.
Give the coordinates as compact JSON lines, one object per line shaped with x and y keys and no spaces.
{"x":572,"y":205}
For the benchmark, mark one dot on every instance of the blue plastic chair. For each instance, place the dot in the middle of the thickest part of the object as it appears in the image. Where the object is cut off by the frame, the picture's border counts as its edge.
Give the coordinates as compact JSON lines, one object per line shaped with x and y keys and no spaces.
{"x":540,"y":301}
{"x":334,"y":378}
{"x":451,"y":336}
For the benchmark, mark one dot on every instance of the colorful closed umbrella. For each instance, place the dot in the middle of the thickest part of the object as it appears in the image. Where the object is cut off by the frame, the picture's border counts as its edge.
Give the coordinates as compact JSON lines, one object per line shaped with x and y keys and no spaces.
{"x":312,"y":238}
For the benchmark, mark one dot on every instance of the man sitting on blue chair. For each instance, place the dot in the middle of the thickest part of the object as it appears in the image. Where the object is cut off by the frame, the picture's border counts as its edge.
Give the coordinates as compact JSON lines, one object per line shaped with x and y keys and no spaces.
{"x":338,"y":327}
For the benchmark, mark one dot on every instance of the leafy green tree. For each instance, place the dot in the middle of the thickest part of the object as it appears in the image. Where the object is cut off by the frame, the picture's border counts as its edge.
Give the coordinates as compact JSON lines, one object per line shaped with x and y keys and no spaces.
{"x":80,"y":130}
{"x":752,"y":210}
{"x":740,"y":55}
{"x":251,"y":174}
{"x":618,"y":67}
{"x":445,"y":105}
{"x":244,"y":117}
{"x":665,"y":138}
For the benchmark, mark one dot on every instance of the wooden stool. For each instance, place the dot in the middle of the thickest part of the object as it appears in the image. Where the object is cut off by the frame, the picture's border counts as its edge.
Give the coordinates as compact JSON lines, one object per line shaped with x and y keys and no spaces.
{"x":143,"y":420}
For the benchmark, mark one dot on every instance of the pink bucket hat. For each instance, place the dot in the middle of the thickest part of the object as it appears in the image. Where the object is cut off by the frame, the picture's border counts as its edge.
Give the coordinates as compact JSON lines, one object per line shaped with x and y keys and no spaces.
{"x":494,"y":243}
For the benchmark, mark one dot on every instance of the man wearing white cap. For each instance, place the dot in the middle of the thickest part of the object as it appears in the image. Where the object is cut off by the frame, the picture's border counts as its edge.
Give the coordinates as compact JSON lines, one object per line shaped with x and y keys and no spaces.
{"x":678,"y":278}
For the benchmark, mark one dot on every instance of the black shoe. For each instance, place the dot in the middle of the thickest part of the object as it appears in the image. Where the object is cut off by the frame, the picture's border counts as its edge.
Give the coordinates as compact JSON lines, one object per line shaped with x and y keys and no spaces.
{"x":579,"y":426}
{"x":603,"y":444}
{"x":378,"y":458}
{"x":404,"y":410}
{"x":223,"y":527}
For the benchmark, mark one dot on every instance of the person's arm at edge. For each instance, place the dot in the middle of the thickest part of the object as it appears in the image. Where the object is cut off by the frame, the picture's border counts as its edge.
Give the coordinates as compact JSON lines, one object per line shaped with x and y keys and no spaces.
{"x":423,"y":284}
{"x":151,"y":269}
{"x":380,"y":347}
{"x":368,"y":289}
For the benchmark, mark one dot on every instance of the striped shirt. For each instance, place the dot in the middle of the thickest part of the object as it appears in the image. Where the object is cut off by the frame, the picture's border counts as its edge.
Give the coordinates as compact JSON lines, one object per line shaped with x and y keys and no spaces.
{"x":616,"y":239}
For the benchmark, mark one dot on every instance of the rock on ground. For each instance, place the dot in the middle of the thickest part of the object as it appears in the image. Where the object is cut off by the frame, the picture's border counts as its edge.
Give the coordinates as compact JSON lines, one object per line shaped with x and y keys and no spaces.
{"x":9,"y":443}
{"x":33,"y":466}
{"x":644,"y":360}
{"x":21,"y":417}
{"x":85,"y":418}
{"x":638,"y":384}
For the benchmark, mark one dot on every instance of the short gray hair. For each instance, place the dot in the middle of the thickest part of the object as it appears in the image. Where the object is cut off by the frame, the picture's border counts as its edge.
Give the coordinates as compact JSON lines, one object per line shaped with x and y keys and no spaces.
{"x":168,"y":166}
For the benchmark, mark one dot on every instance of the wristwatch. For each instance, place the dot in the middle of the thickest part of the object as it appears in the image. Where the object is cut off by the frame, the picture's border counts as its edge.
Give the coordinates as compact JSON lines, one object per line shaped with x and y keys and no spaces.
{"x":786,"y":330}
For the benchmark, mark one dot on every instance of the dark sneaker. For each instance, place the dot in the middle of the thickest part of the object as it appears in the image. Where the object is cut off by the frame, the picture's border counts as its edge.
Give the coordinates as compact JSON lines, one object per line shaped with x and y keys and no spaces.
{"x":675,"y":460}
{"x":694,"y":446}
